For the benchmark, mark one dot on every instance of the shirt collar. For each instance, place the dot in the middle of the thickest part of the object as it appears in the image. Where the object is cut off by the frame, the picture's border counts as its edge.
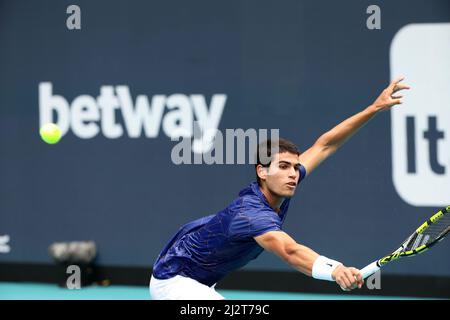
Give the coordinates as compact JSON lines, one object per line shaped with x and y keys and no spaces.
{"x":254,"y":189}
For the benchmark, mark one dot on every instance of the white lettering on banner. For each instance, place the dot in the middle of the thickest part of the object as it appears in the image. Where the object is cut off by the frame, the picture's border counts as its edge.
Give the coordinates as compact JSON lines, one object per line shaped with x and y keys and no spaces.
{"x":86,"y":116}
{"x":4,"y":246}
{"x":419,"y":131}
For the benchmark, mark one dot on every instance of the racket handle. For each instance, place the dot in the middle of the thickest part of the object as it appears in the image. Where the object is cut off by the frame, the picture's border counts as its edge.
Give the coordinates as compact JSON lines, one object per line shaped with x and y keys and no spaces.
{"x":369,"y":269}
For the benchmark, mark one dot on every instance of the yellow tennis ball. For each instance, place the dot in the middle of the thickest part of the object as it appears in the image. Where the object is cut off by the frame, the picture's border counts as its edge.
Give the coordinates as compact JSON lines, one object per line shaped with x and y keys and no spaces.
{"x":50,"y":133}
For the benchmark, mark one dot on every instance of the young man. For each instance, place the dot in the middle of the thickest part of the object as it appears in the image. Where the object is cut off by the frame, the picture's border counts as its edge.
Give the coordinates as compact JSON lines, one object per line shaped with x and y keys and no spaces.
{"x":205,"y":250}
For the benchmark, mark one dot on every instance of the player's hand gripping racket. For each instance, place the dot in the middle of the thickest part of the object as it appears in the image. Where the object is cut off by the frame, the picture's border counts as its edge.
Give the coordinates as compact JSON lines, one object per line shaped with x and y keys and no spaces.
{"x":428,"y":234}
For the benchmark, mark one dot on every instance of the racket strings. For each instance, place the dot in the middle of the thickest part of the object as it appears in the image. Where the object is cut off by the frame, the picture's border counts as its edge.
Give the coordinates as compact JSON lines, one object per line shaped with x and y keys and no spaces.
{"x":439,"y":228}
{"x":432,"y":233}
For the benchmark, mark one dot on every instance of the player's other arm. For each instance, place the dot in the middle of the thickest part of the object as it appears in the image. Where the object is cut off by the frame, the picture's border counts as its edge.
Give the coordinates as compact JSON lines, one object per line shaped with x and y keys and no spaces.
{"x":330,"y":141}
{"x":308,"y":261}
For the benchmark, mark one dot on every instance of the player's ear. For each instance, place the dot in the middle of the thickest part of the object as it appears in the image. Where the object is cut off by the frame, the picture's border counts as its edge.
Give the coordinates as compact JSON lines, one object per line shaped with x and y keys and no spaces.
{"x":262,"y":172}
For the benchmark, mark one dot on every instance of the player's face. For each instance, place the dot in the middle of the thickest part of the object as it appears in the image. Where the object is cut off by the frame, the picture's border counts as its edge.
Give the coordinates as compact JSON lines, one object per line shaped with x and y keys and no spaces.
{"x":283,"y":174}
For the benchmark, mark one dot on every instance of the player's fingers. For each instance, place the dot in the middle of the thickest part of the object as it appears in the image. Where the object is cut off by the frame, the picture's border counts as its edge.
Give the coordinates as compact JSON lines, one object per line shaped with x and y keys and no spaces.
{"x":401,"y":86}
{"x":344,"y":282}
{"x":392,"y":87}
{"x":396,"y":81}
{"x":355,"y":271}
{"x":350,"y":278}
{"x":360,"y":284}
{"x":358,"y":276}
{"x":354,"y":276}
{"x":359,"y":280}
{"x":344,"y":289}
{"x":350,"y":274}
{"x":396,"y":97}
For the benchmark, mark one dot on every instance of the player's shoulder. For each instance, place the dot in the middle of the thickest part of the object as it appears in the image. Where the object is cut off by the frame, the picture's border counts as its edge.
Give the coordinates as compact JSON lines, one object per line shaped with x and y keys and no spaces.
{"x":250,"y":195}
{"x":246,"y":205}
{"x":250,"y":202}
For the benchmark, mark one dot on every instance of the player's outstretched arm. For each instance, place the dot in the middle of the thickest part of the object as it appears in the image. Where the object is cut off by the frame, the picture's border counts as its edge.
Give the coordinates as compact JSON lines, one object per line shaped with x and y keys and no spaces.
{"x":308,"y":261}
{"x":330,"y":141}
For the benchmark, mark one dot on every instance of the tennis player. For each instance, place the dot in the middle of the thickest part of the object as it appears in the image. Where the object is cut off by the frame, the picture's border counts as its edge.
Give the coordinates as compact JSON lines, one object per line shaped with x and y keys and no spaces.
{"x":205,"y":250}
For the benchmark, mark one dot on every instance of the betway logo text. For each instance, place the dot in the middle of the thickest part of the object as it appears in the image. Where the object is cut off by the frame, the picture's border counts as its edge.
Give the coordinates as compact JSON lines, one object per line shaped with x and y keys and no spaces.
{"x":87,"y":116}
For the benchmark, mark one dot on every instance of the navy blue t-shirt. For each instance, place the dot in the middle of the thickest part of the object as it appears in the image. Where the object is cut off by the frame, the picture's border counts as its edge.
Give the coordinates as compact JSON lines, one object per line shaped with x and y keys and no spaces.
{"x":209,"y":248}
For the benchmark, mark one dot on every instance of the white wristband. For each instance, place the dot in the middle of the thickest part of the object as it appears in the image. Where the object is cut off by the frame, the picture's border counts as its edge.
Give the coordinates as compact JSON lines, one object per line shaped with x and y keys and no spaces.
{"x":324,"y":267}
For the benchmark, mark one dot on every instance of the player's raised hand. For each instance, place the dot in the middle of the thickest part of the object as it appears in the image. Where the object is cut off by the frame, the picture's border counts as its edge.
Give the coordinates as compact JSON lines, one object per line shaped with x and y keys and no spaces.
{"x":348,"y":278}
{"x":387,"y":99}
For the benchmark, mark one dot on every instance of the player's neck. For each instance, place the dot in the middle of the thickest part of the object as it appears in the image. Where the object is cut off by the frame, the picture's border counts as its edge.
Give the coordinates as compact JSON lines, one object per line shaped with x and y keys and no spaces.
{"x":274,"y":200}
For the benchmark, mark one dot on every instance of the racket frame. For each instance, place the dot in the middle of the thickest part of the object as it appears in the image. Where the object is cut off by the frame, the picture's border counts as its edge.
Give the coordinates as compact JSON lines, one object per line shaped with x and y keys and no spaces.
{"x":399,"y":253}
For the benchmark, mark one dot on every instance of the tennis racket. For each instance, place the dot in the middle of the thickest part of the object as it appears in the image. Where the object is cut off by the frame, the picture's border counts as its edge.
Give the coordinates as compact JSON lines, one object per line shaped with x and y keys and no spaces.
{"x":428,"y":234}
